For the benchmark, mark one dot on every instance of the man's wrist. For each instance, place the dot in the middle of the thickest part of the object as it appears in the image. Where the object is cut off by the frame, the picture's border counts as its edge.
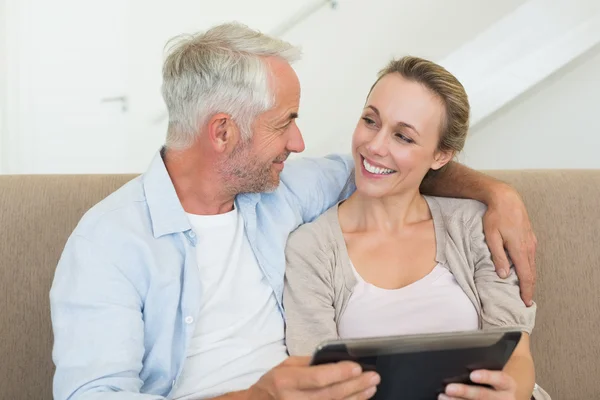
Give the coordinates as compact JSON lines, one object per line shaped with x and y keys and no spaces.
{"x":240,"y":395}
{"x":498,"y":191}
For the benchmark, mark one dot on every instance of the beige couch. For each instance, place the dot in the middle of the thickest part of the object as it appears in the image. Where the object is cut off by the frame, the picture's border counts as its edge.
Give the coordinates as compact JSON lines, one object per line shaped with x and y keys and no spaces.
{"x":37,"y":214}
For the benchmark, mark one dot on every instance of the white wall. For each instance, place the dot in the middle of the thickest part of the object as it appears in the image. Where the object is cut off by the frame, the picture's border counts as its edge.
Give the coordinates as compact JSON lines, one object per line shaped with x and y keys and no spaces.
{"x":343,"y":50}
{"x":556,"y":125}
{"x":346,"y":49}
{"x":3,"y":90}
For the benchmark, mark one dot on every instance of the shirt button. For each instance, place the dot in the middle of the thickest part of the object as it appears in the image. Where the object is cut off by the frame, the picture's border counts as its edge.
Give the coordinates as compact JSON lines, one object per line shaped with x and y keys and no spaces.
{"x":189,"y":319}
{"x":192,"y":234}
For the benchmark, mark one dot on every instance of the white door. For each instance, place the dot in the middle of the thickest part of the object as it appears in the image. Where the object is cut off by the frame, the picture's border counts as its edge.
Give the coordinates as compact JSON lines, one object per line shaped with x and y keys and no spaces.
{"x":68,"y":110}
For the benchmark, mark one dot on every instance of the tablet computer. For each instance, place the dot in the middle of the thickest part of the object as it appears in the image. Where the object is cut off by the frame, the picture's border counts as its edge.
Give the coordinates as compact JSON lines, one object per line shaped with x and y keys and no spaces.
{"x":418,"y":367}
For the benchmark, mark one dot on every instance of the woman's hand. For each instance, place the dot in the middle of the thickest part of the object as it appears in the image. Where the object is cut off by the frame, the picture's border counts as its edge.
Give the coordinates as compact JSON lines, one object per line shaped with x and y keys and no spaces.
{"x":504,"y":387}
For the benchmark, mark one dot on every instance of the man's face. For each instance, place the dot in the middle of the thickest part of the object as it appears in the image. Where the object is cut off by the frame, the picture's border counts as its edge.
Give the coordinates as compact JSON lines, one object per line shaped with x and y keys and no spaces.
{"x":256,"y":164}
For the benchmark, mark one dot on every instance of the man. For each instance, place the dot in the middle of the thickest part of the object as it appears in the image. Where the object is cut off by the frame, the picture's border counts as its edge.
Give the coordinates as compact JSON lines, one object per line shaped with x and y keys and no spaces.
{"x":171,"y":287}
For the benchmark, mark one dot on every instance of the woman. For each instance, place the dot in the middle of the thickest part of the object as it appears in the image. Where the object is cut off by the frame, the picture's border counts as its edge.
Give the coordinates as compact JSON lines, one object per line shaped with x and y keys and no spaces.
{"x":390,"y":261}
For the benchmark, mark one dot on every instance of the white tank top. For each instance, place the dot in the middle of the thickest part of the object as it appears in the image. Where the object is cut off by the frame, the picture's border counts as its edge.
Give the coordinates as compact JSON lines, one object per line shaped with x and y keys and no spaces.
{"x":435,"y":303}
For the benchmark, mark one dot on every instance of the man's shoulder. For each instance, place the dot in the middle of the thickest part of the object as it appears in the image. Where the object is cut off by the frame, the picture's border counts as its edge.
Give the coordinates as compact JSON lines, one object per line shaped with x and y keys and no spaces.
{"x":115,"y":210}
{"x":333,"y":163}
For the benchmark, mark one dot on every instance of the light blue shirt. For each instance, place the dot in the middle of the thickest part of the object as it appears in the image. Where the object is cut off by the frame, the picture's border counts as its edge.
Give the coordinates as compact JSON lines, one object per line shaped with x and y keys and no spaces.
{"x":126,"y":292}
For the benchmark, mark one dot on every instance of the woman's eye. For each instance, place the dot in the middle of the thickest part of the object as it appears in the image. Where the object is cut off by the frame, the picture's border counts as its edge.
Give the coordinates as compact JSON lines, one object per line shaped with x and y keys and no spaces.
{"x":368,"y":121}
{"x":404,"y":138}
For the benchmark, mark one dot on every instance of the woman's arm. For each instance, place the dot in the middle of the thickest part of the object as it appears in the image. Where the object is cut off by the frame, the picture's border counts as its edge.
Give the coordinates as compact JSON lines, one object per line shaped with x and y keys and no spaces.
{"x":506,"y":223}
{"x":308,"y":296}
{"x":520,"y":368}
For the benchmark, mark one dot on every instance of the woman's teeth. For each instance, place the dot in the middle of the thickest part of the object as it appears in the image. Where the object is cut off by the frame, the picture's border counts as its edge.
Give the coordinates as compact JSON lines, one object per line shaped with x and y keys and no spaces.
{"x":376,"y":170}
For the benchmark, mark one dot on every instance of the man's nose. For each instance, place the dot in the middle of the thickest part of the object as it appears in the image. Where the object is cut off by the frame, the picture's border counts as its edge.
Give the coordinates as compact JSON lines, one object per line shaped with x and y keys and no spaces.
{"x":296,"y":141}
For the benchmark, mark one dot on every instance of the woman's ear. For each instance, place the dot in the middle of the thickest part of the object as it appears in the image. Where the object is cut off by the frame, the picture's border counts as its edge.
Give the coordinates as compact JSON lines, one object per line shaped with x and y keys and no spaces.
{"x":441,"y":158}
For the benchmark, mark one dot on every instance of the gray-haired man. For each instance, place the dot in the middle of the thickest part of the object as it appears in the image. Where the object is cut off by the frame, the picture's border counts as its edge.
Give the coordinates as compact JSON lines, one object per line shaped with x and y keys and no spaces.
{"x":171,"y":287}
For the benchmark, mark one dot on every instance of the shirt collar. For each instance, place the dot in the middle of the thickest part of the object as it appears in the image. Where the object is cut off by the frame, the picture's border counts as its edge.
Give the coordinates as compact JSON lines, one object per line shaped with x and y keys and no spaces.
{"x":166,"y":212}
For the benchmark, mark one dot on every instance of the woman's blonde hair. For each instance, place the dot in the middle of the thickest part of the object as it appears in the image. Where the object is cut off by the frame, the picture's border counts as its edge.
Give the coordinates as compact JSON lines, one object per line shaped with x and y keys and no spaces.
{"x":450,"y":91}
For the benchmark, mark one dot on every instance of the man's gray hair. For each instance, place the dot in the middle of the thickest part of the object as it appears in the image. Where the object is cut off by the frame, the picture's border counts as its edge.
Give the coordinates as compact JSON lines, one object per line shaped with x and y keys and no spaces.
{"x":220,"y":70}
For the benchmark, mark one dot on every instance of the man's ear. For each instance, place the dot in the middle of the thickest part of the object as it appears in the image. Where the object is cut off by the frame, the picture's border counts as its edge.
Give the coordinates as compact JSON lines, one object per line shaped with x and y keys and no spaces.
{"x":441,"y":158}
{"x":222,"y":132}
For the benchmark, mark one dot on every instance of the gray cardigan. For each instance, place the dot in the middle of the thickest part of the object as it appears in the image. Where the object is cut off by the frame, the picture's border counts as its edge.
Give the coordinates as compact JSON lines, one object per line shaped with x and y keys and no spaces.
{"x":319,"y":279}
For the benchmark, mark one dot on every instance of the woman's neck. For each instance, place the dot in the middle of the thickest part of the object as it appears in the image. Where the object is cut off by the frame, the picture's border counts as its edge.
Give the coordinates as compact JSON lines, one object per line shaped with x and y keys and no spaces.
{"x":383,"y":214}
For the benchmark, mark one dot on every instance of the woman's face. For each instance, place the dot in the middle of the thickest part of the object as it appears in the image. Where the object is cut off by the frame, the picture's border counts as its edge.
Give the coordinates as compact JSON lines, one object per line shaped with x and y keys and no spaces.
{"x":395,"y":141}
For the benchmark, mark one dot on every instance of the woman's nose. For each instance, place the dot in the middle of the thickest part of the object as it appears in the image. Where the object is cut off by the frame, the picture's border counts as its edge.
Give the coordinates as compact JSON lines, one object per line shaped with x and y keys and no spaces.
{"x":378,"y":145}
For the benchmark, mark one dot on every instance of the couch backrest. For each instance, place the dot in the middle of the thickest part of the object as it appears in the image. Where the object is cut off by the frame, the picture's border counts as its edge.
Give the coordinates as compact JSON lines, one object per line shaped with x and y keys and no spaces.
{"x":564,"y":207}
{"x":38,"y":213}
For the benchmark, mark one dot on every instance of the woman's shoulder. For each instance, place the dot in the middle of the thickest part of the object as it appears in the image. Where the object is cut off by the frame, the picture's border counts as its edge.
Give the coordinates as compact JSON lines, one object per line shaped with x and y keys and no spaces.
{"x":452,"y":210}
{"x":318,"y":233}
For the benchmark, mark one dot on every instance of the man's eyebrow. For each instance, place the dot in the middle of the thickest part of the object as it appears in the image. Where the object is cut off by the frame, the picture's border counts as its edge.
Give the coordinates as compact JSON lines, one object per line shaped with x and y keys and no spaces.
{"x":399,"y":124}
{"x":293,"y":115}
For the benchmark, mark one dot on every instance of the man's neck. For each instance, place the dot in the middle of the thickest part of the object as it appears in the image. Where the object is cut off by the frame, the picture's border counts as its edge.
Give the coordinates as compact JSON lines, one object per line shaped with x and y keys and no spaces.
{"x":198,"y":186}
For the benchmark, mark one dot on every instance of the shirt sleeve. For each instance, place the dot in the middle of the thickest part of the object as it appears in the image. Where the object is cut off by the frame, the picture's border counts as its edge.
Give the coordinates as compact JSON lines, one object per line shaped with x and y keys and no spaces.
{"x":501,"y":302}
{"x":317,"y":184}
{"x":308,"y":296}
{"x":98,"y":327}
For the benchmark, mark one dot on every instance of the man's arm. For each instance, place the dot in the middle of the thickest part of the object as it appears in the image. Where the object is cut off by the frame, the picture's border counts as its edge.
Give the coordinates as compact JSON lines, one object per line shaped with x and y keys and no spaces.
{"x":316,"y":184}
{"x":98,"y":327}
{"x":506,"y":223}
{"x":295,"y":379}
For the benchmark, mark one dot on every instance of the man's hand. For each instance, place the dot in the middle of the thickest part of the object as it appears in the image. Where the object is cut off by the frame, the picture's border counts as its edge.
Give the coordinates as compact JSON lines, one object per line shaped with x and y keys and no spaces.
{"x":507,"y":226}
{"x":295,"y":379}
{"x":503,"y":386}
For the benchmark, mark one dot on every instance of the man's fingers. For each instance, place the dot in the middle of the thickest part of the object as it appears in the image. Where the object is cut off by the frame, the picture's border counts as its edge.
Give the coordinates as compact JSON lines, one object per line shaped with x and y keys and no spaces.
{"x":520,"y":256}
{"x":360,"y":388}
{"x":494,"y":241}
{"x":321,"y":376}
{"x":531,"y":252}
{"x":297,"y":361}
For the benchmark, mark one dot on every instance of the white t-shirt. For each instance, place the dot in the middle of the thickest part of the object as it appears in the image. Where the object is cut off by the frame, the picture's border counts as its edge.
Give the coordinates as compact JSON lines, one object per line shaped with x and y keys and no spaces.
{"x":240,"y":331}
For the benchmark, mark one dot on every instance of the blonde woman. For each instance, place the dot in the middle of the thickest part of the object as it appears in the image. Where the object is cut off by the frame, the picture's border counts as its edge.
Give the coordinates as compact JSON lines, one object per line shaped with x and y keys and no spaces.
{"x":391,"y":261}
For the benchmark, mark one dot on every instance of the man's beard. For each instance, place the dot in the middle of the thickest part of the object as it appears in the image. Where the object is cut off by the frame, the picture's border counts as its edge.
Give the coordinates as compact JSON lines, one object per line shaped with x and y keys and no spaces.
{"x":245,"y":173}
